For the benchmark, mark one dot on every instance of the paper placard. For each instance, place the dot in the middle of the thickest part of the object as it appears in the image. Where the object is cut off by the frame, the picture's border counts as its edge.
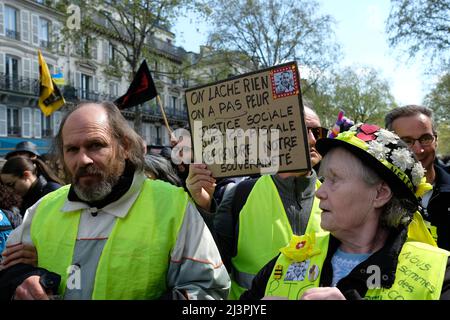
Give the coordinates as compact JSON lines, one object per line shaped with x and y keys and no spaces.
{"x":250,"y":124}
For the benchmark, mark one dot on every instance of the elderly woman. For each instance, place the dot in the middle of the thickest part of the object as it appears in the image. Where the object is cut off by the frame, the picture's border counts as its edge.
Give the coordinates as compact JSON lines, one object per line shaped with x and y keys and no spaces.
{"x":368,"y":199}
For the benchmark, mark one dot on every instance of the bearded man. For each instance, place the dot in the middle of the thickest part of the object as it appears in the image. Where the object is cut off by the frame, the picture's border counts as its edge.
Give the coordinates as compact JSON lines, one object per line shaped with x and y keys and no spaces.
{"x":112,"y":233}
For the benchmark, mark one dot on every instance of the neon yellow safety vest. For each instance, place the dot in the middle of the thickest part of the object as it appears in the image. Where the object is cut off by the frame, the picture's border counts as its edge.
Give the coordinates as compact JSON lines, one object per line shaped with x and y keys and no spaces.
{"x":419,"y":274}
{"x":135,"y":258}
{"x":418,"y":230}
{"x":263,"y":229}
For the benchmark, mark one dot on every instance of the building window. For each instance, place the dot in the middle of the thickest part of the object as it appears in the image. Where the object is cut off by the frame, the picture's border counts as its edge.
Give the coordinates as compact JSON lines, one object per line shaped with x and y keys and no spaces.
{"x":13,"y":122}
{"x":158,"y":136}
{"x":174,"y":105}
{"x":44,"y":32}
{"x":111,"y":53}
{"x":46,"y":123}
{"x":86,"y":84}
{"x":113,"y":90}
{"x":11,"y":30}
{"x":12,"y":72}
{"x":83,"y":47}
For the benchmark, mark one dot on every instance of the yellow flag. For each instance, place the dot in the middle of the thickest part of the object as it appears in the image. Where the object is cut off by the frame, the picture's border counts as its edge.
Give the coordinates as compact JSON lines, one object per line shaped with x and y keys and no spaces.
{"x":50,"y":98}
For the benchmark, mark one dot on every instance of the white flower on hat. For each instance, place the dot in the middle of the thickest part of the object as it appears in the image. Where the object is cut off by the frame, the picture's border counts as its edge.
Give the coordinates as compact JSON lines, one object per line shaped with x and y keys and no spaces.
{"x":378,"y":150}
{"x":386,"y":137}
{"x":402,"y":158}
{"x":417,"y":173}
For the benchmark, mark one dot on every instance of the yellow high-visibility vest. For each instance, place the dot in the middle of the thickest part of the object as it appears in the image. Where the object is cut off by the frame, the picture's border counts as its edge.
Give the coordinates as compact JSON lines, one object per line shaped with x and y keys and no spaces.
{"x":263,"y":229}
{"x":135,"y":258}
{"x":419,"y":274}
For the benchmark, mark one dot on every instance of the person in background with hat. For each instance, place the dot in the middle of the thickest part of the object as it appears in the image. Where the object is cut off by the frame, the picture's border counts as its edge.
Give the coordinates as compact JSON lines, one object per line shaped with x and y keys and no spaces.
{"x":25,"y":149}
{"x":415,"y":126}
{"x":370,"y":193}
{"x":30,"y":178}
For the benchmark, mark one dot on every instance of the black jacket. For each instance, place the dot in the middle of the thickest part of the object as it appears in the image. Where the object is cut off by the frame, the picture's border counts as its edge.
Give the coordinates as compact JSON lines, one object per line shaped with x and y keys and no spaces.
{"x":38,"y":189}
{"x":354,"y":285}
{"x":438,"y":211}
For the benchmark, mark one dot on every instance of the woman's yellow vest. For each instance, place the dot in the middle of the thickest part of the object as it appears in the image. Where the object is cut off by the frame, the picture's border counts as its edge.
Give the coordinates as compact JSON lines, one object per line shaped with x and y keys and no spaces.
{"x":263,"y":229}
{"x":419,"y":274}
{"x":135,"y":258}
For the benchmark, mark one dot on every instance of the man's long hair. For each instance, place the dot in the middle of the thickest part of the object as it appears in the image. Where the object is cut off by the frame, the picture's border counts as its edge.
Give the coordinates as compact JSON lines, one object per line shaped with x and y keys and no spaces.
{"x":119,"y":130}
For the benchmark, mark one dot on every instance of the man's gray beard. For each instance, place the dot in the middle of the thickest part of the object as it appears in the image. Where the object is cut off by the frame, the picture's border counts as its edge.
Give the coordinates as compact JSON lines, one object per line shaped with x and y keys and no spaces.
{"x":95,"y":192}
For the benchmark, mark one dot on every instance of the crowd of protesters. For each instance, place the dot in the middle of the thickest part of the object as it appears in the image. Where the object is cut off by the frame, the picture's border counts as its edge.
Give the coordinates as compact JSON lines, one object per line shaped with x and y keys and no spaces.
{"x":130,"y":224}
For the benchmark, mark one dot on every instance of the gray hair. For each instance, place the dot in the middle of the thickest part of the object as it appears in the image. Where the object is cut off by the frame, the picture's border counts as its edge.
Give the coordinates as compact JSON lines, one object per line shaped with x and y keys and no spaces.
{"x":162,"y":169}
{"x":407,"y":111}
{"x":396,"y":211}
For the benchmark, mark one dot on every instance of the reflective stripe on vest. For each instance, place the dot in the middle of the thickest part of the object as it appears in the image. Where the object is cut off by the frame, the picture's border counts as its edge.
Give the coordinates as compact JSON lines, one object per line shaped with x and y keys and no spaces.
{"x":133,"y":266}
{"x":263,"y":229}
{"x":419,"y":274}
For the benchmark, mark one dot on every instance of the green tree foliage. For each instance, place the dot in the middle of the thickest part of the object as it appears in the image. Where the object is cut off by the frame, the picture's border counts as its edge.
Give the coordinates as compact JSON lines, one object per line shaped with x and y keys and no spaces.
{"x":422,"y":26}
{"x":130,"y":26}
{"x":274,"y":31}
{"x":444,"y":138}
{"x":439,"y":101}
{"x":360,"y":92}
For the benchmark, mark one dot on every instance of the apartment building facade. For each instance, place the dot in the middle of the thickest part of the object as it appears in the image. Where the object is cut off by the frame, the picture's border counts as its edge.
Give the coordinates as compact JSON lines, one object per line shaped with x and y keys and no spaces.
{"x":88,"y":70}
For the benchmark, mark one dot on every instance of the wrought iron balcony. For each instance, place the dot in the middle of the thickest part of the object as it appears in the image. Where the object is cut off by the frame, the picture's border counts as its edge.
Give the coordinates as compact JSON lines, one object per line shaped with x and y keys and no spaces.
{"x":87,"y":95}
{"x":47,"y":133}
{"x":45,"y":44}
{"x":170,"y":113}
{"x":14,"y":131}
{"x":13,"y":34}
{"x":19,"y":84}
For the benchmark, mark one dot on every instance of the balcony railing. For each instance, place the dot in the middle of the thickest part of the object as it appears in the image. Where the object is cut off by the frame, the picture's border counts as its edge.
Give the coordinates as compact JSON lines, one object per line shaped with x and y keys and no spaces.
{"x":166,"y":47}
{"x":14,"y":131}
{"x":87,"y":95}
{"x":31,"y":86}
{"x":45,"y":44}
{"x":47,"y":133}
{"x":13,"y":34}
{"x":19,"y":84}
{"x":170,"y":113}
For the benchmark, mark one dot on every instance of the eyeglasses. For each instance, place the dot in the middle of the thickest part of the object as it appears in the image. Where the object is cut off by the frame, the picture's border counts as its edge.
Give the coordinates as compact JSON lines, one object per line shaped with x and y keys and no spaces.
{"x":318,"y":132}
{"x":425,"y":140}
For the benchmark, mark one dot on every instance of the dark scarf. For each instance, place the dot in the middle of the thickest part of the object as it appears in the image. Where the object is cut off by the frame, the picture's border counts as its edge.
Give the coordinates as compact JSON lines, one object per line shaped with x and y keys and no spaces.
{"x":355,"y":283}
{"x":119,"y":189}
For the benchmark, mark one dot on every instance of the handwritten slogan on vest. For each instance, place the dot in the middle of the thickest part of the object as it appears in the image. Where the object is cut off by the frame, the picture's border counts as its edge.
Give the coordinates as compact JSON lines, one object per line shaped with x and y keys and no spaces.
{"x":250,"y":124}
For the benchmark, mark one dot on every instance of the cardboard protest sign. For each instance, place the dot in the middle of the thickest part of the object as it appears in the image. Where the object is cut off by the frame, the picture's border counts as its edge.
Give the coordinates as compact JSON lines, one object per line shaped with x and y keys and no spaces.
{"x":250,"y":124}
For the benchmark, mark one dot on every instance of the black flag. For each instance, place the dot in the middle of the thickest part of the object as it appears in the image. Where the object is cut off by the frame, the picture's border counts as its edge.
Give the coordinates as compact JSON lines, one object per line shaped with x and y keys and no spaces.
{"x":142,"y":89}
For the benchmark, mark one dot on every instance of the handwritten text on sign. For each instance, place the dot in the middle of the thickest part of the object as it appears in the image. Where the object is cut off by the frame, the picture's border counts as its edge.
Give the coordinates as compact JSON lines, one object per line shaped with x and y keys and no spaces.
{"x":250,"y":124}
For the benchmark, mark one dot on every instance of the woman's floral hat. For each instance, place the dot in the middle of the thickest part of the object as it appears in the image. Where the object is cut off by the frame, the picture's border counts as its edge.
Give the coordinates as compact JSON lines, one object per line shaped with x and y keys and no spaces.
{"x":386,"y":154}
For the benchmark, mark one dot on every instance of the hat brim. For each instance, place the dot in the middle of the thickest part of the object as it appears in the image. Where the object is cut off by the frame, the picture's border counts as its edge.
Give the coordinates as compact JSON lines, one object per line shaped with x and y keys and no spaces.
{"x":397,"y":186}
{"x":12,"y":153}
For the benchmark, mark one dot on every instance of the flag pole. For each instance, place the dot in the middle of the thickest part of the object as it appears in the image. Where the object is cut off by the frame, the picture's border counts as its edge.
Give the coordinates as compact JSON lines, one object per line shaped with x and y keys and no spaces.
{"x":164,"y":115}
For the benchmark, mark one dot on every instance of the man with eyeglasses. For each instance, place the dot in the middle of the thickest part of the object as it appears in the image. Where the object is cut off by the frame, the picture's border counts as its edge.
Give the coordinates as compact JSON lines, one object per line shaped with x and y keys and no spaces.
{"x":415,"y":126}
{"x":257,"y":216}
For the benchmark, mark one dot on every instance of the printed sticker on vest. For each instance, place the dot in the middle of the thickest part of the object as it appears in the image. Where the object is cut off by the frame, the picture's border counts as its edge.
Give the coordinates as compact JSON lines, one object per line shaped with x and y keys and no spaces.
{"x":278,"y":272}
{"x":297,"y":271}
{"x":313,"y":272}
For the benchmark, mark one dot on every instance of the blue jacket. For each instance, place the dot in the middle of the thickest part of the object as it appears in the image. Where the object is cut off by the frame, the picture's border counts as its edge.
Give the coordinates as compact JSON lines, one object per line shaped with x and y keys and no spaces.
{"x":5,"y":230}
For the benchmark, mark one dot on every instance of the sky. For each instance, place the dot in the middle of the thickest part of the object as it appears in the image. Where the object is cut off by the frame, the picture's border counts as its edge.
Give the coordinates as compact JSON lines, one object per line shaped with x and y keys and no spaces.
{"x":360,"y":29}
